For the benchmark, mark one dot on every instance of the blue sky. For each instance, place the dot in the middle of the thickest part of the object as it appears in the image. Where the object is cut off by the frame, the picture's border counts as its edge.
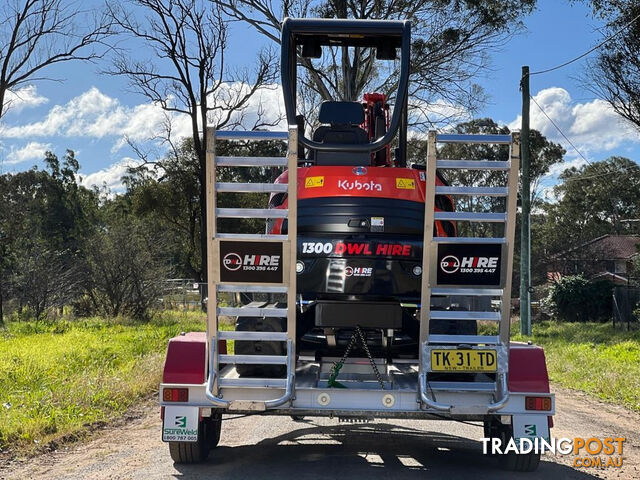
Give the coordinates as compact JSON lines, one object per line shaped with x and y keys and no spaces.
{"x":90,"y":112}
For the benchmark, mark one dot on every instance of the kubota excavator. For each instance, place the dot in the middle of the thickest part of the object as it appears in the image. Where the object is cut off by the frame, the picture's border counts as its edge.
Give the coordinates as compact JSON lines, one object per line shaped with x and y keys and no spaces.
{"x":362,"y":301}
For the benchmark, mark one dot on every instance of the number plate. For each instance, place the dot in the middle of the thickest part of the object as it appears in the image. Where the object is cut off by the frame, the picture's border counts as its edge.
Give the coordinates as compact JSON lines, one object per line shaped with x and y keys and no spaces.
{"x":463,"y":360}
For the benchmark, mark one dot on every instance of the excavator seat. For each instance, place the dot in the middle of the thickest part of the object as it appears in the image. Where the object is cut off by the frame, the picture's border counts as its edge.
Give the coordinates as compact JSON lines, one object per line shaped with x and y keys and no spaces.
{"x":344,"y":119}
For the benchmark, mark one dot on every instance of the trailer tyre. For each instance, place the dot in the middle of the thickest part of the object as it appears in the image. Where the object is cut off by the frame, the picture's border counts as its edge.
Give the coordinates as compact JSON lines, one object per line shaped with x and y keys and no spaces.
{"x":260,"y":324}
{"x":527,"y":462}
{"x":195,"y":452}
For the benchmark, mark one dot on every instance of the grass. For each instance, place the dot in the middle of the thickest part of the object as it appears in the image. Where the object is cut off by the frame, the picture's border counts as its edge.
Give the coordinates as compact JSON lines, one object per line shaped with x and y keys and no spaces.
{"x":58,"y":378}
{"x":593,"y":358}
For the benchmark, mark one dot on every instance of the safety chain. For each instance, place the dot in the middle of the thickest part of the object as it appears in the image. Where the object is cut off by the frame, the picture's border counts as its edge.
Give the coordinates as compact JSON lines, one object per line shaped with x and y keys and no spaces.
{"x":335,"y":369}
{"x":371,"y":360}
{"x":337,"y":366}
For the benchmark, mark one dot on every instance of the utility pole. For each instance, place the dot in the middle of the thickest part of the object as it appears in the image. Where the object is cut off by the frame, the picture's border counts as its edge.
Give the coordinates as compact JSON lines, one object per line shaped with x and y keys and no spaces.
{"x":525,"y":230}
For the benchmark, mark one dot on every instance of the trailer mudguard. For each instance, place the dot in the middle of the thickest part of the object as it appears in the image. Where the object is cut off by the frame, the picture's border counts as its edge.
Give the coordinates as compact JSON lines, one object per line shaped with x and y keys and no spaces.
{"x":527,"y":369}
{"x":186,"y":359}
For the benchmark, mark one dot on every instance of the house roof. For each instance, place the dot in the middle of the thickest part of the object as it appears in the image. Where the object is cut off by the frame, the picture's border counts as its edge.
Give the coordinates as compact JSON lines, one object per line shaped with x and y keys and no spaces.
{"x":611,"y":247}
{"x":614,"y":277}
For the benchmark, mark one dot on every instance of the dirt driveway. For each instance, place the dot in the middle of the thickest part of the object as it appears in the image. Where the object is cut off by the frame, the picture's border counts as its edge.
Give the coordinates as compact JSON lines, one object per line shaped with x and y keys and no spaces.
{"x":279,"y":448}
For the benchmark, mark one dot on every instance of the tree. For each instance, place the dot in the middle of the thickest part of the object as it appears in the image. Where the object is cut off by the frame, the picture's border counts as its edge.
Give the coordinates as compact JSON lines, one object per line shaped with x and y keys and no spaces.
{"x":186,"y":73}
{"x":35,"y":34}
{"x":615,"y":74}
{"x":451,"y":39}
{"x":543,"y":154}
{"x":125,"y":269}
{"x":593,"y":200}
{"x":44,"y":219}
{"x":45,"y":278}
{"x":167,"y":193}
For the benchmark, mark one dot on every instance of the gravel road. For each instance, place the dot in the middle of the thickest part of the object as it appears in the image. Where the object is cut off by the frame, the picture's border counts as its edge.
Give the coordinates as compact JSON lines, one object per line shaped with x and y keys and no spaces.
{"x":278,"y":447}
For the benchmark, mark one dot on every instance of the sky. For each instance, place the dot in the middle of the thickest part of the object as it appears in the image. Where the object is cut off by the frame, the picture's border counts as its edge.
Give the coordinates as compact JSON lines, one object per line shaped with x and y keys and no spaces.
{"x":93,"y":113}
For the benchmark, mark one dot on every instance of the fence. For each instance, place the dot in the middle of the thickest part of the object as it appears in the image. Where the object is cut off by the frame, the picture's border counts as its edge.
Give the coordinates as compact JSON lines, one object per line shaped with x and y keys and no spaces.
{"x":181,"y":294}
{"x":626,"y":299}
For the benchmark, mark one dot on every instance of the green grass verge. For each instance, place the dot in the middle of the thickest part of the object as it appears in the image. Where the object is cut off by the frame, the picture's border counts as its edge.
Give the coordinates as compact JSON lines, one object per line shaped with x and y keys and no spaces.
{"x":58,"y":378}
{"x":593,"y":358}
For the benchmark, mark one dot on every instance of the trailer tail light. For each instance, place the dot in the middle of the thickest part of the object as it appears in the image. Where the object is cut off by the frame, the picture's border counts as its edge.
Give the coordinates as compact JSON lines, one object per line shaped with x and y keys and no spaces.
{"x":537,"y":403}
{"x":175,"y":395}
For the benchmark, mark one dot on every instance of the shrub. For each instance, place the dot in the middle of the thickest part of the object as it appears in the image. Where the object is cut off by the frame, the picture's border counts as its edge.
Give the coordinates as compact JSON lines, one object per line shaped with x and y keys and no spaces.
{"x":125,"y":271}
{"x":576,"y":299}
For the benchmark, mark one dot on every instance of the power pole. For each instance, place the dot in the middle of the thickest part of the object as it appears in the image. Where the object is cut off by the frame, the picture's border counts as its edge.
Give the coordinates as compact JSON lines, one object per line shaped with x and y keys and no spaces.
{"x":525,"y":230}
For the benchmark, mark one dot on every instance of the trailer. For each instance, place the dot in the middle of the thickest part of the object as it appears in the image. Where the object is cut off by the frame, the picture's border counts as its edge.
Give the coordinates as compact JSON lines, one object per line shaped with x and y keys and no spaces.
{"x":360,"y":300}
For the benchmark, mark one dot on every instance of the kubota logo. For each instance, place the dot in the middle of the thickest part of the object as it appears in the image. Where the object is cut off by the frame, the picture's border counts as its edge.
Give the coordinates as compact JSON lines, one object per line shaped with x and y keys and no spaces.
{"x":369,"y":186}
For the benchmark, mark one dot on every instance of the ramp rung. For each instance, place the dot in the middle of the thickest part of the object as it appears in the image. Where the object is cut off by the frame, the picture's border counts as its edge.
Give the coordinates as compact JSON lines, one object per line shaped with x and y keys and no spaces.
{"x":251,"y":161}
{"x":253,"y":382}
{"x":251,"y":288}
{"x":253,"y":359}
{"x":458,"y":339}
{"x":479,"y":191}
{"x":464,"y":315}
{"x":462,"y":386}
{"x":471,"y":216}
{"x":250,"y":135}
{"x":476,"y":240}
{"x":252,"y":312}
{"x":251,"y":236}
{"x":474,"y":164}
{"x":465,"y":138}
{"x":252,"y":212}
{"x":253,"y":336}
{"x":250,"y":187}
{"x":470,"y":292}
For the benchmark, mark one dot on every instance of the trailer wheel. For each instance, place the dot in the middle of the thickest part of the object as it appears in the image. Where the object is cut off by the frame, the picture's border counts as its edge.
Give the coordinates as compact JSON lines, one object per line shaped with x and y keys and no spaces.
{"x":526,"y":462}
{"x":195,"y":452}
{"x":243,"y":347}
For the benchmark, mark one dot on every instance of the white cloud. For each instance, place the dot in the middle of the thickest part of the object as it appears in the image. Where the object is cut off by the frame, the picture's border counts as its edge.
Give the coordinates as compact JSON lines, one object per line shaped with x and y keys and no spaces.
{"x":96,"y":115}
{"x":569,"y":162}
{"x":592,"y":126}
{"x":25,"y":97}
{"x":438,"y":112}
{"x":265,"y":107}
{"x":92,"y":114}
{"x":111,"y":176}
{"x":31,"y":151}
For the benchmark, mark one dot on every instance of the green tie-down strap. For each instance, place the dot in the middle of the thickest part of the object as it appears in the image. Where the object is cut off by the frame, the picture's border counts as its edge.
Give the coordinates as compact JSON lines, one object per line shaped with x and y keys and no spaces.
{"x":335,"y":369}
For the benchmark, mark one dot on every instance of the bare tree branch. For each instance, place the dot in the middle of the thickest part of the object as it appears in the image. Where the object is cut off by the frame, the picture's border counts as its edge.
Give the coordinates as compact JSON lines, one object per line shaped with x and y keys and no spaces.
{"x":36,"y":34}
{"x":186,"y":72}
{"x":451,"y":41}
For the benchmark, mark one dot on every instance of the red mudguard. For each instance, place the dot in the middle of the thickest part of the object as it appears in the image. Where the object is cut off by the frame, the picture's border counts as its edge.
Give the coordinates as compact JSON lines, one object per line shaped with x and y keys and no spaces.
{"x":186,"y":358}
{"x":527,"y":369}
